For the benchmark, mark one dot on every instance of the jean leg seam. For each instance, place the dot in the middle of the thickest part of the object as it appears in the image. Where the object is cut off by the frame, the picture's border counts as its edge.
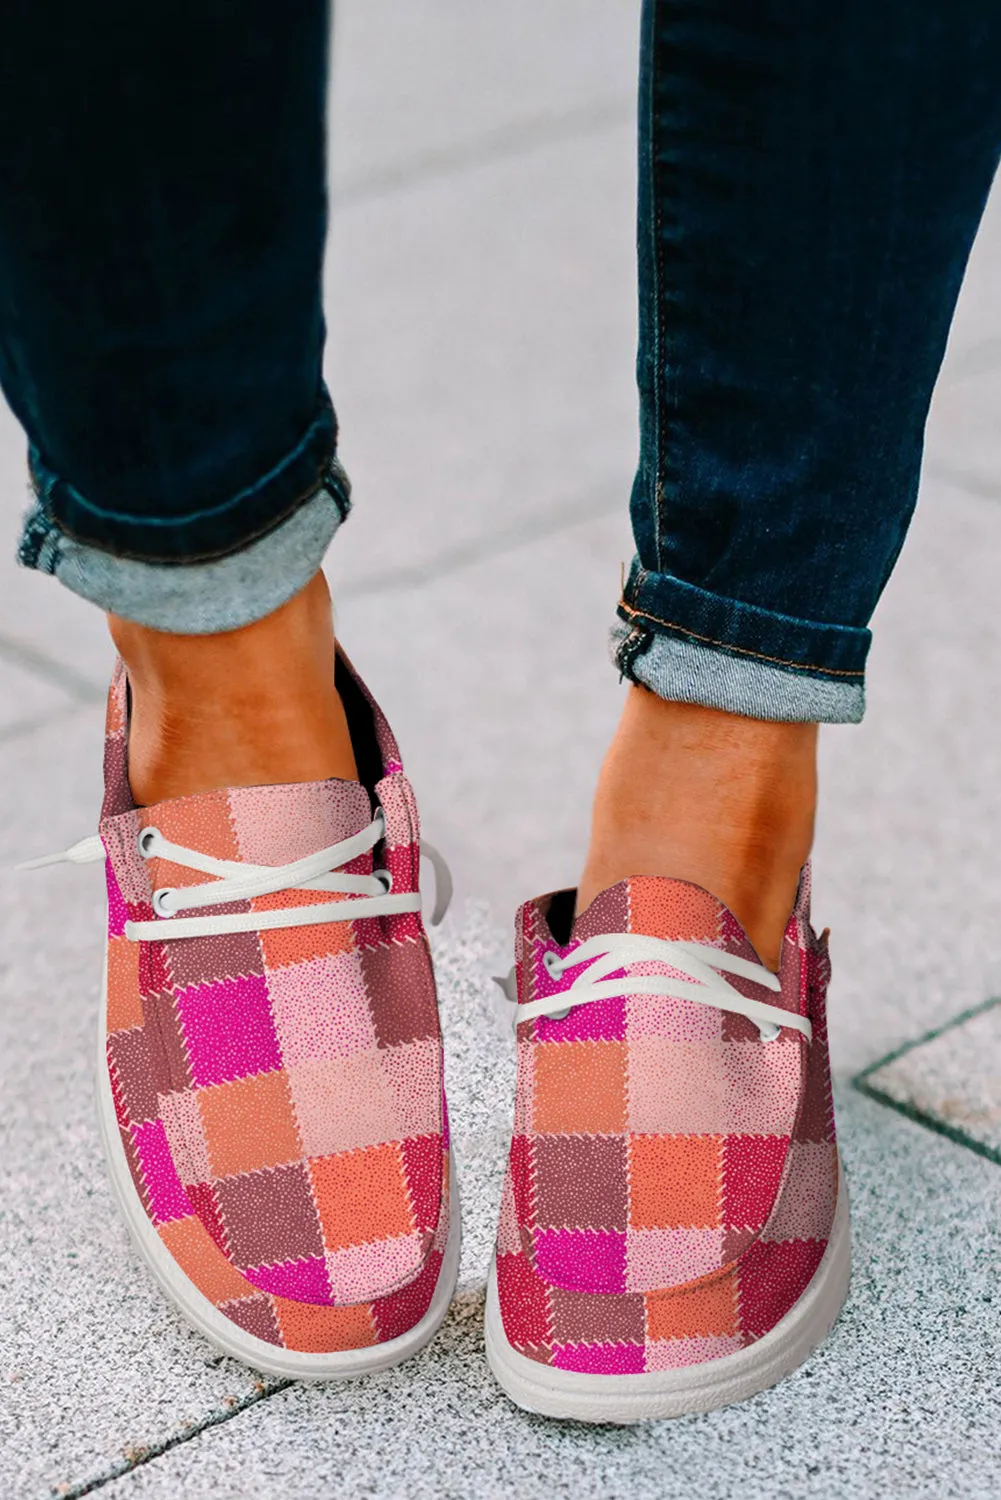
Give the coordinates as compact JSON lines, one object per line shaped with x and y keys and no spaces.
{"x":656,"y":260}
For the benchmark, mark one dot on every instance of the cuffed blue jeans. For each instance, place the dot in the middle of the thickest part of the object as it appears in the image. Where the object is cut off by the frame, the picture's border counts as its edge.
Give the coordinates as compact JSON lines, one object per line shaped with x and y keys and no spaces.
{"x":811,"y":179}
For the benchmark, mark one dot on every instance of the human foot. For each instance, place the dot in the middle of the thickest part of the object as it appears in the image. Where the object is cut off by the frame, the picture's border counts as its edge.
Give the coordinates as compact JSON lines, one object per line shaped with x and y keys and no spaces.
{"x":721,"y":800}
{"x":249,"y":707}
{"x":674,"y":1227}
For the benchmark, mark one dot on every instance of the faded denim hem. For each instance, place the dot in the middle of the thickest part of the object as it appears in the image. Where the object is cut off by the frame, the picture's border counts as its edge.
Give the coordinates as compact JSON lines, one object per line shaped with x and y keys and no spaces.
{"x":199,"y":598}
{"x":684,"y":671}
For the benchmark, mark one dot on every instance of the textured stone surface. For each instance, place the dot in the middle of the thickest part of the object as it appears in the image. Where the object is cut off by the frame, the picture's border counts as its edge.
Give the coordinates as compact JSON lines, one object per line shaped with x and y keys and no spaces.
{"x":963,"y":442}
{"x":447,"y":297}
{"x":952,"y":1080}
{"x":25,"y":698}
{"x":438,"y":86}
{"x":907,"y":866}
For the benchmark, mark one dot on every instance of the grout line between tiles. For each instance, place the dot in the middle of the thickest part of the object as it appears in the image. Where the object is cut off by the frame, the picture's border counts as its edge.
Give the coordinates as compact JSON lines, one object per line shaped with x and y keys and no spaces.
{"x":140,"y":1456}
{"x":502,"y":144}
{"x":863,"y":1083}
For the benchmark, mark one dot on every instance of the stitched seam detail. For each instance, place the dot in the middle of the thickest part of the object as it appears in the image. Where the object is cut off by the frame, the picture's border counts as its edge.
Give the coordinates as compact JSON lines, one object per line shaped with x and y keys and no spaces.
{"x":708,"y":640}
{"x":635,"y":643}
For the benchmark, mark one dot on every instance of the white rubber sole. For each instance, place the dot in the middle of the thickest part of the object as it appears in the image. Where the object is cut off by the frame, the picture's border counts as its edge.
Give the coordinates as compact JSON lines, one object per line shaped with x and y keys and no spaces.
{"x":206,"y":1318}
{"x":679,"y":1393}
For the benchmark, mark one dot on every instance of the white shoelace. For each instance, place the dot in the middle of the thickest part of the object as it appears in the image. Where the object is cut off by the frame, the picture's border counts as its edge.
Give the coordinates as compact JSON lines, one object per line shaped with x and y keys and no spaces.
{"x":368,"y":895}
{"x":695,"y":963}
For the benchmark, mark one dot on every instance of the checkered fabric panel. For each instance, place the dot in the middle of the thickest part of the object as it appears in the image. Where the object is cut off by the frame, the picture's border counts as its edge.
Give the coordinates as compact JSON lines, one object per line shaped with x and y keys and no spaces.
{"x":279,"y":1093}
{"x":672,"y":1179}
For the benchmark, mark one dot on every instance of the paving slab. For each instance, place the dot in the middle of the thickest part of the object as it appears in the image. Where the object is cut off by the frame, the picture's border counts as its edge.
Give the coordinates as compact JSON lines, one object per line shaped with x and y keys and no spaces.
{"x":963,"y":441}
{"x":978,"y":314}
{"x":907,"y":869}
{"x":25,"y":698}
{"x":44,"y":629}
{"x":481,"y":348}
{"x":964,"y":437}
{"x":949,"y":1080}
{"x":436,"y":85}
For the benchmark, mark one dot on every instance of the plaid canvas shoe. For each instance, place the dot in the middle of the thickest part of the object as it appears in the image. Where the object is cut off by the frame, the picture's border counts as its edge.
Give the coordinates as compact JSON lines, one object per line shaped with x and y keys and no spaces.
{"x":270,"y":1067}
{"x":674,"y":1226}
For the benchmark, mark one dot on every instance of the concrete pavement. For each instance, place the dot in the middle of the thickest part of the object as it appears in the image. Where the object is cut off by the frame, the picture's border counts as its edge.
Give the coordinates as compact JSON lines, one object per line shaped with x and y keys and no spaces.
{"x":481,"y":293}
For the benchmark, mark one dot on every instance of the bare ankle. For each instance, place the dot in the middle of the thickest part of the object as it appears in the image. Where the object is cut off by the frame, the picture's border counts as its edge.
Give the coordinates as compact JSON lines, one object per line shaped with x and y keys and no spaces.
{"x":243,"y":708}
{"x":724,"y":801}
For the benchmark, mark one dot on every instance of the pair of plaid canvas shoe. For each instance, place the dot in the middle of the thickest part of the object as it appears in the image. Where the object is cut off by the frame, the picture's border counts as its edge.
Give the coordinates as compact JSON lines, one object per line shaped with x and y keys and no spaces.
{"x":674,"y":1227}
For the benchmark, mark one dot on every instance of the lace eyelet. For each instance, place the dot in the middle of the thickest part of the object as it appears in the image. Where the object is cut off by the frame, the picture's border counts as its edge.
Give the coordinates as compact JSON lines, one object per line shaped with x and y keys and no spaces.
{"x":145,"y":840}
{"x":552,"y":964}
{"x":770,"y":1033}
{"x":159,"y":898}
{"x":386,"y":877}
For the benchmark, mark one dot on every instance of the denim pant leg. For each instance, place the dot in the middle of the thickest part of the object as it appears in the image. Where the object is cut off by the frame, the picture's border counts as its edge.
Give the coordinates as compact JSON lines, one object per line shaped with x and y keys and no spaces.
{"x":811,"y":179}
{"x":162,"y":223}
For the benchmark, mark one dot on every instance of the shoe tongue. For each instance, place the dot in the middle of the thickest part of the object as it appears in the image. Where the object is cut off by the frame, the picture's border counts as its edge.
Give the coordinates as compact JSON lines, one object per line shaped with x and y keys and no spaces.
{"x":658,"y":907}
{"x":264,"y":825}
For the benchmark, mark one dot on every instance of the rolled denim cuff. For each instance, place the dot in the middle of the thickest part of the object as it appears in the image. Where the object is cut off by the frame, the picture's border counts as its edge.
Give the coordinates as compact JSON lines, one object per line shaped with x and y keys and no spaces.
{"x":691,"y":646}
{"x":685,"y":672}
{"x":195,"y":598}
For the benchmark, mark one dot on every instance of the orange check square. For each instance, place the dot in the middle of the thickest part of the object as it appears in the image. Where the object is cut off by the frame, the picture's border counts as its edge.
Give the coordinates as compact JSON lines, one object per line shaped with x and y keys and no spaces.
{"x":657,"y":907}
{"x":362,"y":1196}
{"x":249,"y":1124}
{"x":579,"y":1088}
{"x":125,"y":1006}
{"x":312,"y":1329}
{"x":298,"y":945}
{"x":201,"y":1260}
{"x":195,"y":823}
{"x":675,"y":1181}
{"x":698,"y":1312}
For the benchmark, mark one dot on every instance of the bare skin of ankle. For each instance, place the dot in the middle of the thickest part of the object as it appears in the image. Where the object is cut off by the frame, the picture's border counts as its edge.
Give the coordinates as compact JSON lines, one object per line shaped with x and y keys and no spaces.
{"x":248,"y":707}
{"x":721,"y":800}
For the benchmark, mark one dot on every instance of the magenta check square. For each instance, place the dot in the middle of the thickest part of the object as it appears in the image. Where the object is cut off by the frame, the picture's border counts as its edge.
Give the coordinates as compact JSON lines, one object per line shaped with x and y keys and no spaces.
{"x":582,"y":1260}
{"x":229,"y":1030}
{"x":167,"y":1198}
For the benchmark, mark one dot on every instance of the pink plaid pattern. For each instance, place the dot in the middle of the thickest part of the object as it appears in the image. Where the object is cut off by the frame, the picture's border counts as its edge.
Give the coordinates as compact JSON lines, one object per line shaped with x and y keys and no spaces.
{"x":279,"y":1092}
{"x":672,"y":1178}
